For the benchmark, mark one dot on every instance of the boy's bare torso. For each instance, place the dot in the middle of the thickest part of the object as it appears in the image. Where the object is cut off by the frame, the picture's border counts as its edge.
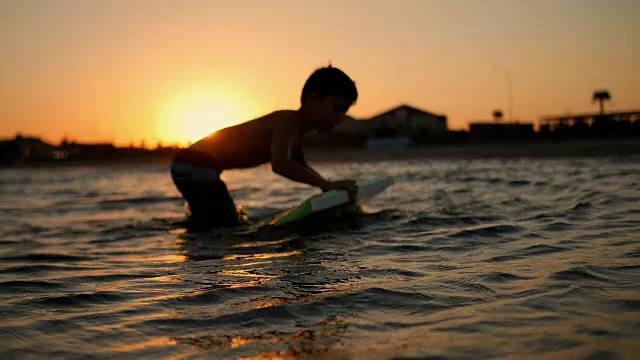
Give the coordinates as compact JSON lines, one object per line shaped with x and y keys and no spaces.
{"x":248,"y":144}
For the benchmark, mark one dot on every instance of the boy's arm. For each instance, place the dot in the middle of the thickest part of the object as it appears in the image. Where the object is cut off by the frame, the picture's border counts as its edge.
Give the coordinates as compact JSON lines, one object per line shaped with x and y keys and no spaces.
{"x":285,"y":157}
{"x":297,"y":155}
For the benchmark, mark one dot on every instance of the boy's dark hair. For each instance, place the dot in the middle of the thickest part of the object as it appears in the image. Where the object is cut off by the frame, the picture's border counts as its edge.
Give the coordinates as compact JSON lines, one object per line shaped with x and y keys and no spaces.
{"x":329,"y":81}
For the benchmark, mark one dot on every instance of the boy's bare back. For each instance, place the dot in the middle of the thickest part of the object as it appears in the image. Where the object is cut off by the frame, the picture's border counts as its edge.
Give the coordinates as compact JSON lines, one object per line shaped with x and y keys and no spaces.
{"x":248,"y":144}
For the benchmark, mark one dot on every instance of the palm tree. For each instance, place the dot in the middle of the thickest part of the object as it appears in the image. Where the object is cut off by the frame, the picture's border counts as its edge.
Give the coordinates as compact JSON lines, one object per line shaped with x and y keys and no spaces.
{"x":497,"y":116}
{"x":601,"y":96}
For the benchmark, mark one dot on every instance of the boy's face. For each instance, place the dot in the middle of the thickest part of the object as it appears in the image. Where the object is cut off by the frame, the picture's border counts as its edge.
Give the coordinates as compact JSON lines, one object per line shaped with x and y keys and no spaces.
{"x":327,"y":112}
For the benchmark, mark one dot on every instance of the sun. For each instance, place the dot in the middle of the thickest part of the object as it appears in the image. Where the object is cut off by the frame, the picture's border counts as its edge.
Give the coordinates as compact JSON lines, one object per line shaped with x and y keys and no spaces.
{"x":191,"y":115}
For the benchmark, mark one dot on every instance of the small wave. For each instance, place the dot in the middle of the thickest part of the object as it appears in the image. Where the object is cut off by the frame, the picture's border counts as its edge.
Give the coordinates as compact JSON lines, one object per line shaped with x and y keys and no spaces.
{"x":105,"y":278}
{"x":602,"y":355}
{"x":624,"y":268}
{"x":534,"y":250}
{"x":488,"y":231}
{"x":390,"y":273}
{"x":62,"y":192}
{"x":634,"y":254}
{"x":28,"y":229}
{"x":558,"y":226}
{"x":616,"y":200}
{"x":582,"y":205}
{"x":46,"y":258}
{"x":139,"y":228}
{"x":473,"y":286}
{"x":580,"y":273}
{"x":393,"y":299}
{"x":32,"y":269}
{"x":547,"y":344}
{"x":519,"y":183}
{"x":631,"y":305}
{"x":28,"y":286}
{"x":595,"y":331}
{"x":591,"y":195}
{"x":363,"y":300}
{"x":140,"y":200}
{"x":514,"y":201}
{"x":501,"y":277}
{"x":80,"y":300}
{"x":393,"y":248}
{"x":213,"y":295}
{"x":469,"y":179}
{"x":487,"y":180}
{"x":440,"y":267}
{"x":425,"y":219}
{"x":543,"y":215}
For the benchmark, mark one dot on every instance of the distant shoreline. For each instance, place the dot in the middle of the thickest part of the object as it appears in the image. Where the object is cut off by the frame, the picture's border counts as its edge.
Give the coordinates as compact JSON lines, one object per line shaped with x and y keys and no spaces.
{"x":547,"y":149}
{"x":564,"y":149}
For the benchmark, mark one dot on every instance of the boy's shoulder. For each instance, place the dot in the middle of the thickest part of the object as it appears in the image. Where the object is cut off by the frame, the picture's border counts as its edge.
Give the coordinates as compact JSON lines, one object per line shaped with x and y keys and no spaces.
{"x":283,"y":115}
{"x":280,"y":119}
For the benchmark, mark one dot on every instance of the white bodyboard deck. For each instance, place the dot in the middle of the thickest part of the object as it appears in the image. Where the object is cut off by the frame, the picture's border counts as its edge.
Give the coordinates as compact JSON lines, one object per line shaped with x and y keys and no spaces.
{"x":333,"y":198}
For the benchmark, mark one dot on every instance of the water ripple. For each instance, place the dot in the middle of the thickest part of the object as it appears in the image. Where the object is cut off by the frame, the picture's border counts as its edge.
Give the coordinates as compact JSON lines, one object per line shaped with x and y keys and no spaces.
{"x":459,"y":259}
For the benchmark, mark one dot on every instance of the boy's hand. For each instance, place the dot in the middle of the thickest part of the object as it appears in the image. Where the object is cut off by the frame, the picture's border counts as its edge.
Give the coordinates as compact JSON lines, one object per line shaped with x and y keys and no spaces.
{"x":349,"y":185}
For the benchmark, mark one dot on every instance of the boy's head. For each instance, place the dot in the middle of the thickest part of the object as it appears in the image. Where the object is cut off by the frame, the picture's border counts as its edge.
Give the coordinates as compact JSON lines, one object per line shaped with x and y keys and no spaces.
{"x":326,"y":97}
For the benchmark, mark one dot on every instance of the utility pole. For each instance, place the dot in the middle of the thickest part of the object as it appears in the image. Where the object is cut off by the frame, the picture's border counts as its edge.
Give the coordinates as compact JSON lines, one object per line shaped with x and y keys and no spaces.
{"x":507,"y":76}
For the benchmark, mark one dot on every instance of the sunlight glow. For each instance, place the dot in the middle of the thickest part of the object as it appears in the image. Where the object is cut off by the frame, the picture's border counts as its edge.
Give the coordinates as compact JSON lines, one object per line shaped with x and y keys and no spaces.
{"x":193,"y":114}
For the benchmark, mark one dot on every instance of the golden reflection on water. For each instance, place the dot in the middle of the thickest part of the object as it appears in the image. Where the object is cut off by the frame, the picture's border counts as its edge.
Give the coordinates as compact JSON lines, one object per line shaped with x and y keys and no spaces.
{"x":260,"y":243}
{"x":266,"y":303}
{"x":271,"y":356}
{"x":261,"y":256}
{"x":168,"y":279}
{"x":250,"y":264}
{"x":300,"y":344}
{"x":172,"y":258}
{"x":244,"y":273}
{"x":249,"y":260}
{"x":158,"y":342}
{"x":258,"y":278}
{"x":239,"y":341}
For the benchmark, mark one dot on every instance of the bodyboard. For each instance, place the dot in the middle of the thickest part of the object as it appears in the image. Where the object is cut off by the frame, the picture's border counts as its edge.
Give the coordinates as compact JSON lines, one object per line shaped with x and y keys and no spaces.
{"x":333,"y":198}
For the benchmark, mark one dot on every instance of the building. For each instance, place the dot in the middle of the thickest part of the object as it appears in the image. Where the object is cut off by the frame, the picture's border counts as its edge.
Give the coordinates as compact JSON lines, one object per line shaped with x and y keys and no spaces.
{"x":90,"y":151}
{"x":21,"y":149}
{"x":499,"y":132}
{"x":408,"y":121}
{"x":397,"y":127}
{"x":403,"y":125}
{"x":353,"y":131}
{"x":592,"y":125}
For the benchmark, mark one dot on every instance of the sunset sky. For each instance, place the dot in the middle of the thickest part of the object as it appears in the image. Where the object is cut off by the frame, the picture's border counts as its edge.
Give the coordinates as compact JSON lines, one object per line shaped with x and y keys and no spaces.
{"x":132,"y":70}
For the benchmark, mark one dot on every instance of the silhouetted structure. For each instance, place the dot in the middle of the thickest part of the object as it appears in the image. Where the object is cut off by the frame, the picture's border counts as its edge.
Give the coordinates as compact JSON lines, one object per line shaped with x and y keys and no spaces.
{"x":498,"y":132}
{"x":409,"y":122}
{"x":591,"y":125}
{"x":397,"y":127}
{"x":23,"y":150}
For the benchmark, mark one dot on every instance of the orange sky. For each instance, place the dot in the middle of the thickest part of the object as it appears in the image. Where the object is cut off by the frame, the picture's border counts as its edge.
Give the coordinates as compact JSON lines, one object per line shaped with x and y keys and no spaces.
{"x":127,"y":71}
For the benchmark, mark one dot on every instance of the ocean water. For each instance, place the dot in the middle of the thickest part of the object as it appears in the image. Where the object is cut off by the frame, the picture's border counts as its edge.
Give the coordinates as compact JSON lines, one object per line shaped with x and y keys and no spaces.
{"x":460,"y":259}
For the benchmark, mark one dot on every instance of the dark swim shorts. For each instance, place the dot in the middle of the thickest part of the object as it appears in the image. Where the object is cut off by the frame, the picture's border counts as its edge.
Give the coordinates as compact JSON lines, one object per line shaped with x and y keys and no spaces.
{"x":207,"y":195}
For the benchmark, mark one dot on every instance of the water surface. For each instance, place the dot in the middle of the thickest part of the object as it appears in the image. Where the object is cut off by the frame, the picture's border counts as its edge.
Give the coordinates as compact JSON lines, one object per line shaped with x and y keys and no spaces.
{"x":459,"y":259}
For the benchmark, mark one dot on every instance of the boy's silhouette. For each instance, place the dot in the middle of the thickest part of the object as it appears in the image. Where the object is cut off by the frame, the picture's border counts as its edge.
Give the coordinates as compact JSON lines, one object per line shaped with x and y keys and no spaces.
{"x":276,"y":137}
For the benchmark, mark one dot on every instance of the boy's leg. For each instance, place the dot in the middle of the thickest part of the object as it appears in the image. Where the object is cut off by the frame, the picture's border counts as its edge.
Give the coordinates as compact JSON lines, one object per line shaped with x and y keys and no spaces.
{"x":213,"y":204}
{"x":207,"y":195}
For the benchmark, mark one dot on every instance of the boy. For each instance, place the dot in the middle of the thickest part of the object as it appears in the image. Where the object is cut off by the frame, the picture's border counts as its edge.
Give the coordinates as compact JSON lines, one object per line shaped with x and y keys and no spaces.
{"x":276,"y":137}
